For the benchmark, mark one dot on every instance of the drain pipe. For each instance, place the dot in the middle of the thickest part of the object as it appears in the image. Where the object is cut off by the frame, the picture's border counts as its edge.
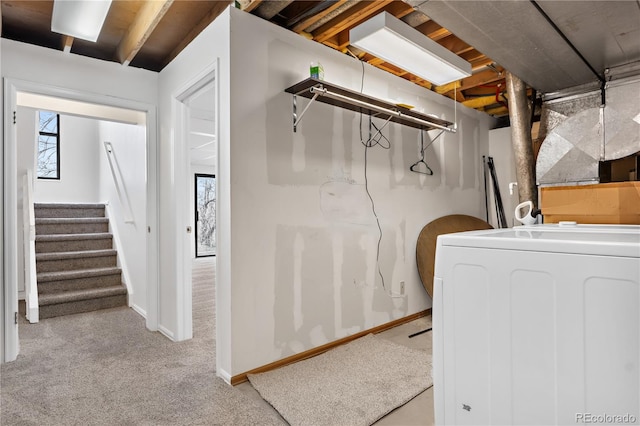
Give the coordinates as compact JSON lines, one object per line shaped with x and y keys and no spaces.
{"x":520,"y":117}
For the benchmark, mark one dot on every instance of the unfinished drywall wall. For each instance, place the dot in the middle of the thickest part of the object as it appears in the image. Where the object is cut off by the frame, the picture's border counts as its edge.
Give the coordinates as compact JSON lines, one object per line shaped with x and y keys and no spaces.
{"x":128,"y":144}
{"x":304,"y":236}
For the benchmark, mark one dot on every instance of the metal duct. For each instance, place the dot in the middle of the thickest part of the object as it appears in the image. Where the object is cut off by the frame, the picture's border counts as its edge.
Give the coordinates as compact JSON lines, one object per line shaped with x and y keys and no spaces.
{"x":581,"y":133}
{"x":520,"y":117}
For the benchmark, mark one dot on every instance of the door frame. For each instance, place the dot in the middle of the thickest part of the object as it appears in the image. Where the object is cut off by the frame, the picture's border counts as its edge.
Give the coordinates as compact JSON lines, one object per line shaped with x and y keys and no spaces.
{"x":10,"y":289}
{"x":183,"y":241}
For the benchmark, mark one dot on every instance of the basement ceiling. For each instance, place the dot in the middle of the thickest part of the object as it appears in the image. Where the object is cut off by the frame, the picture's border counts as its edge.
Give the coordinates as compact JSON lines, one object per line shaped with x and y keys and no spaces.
{"x":551,"y":45}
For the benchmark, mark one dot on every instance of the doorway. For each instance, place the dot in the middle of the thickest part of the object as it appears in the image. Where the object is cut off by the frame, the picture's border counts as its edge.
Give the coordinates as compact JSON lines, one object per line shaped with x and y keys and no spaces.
{"x":196,"y":106}
{"x":15,"y":88}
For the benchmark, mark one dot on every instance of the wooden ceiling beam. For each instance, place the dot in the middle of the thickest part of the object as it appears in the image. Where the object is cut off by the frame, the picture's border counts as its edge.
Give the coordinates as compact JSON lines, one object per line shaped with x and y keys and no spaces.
{"x":472,"y":55}
{"x":67,"y":42}
{"x":358,"y":13}
{"x":141,"y":28}
{"x":455,"y":45}
{"x":249,"y":5}
{"x":268,"y":9}
{"x":483,"y":77}
{"x":433,"y":30}
{"x":304,"y":24}
{"x":481,"y":63}
{"x":397,"y":9}
{"x":415,"y":18}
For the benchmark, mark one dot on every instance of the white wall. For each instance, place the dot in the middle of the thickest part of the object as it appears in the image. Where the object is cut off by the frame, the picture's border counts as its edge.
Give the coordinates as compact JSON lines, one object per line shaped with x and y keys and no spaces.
{"x":129,"y":149}
{"x":303,"y":238}
{"x":79,"y":160}
{"x":55,"y":68}
{"x":501,"y":150}
{"x":79,"y":177}
{"x":26,"y":133}
{"x":72,"y":75}
{"x":211,"y":47}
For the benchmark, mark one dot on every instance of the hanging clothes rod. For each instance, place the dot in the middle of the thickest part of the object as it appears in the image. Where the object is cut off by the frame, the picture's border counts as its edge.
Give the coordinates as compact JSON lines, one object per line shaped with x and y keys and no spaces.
{"x":324,"y":92}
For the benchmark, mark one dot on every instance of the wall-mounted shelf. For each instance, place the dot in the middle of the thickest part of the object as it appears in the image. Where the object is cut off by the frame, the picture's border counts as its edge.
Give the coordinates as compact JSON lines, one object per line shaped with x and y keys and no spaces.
{"x":331,"y":94}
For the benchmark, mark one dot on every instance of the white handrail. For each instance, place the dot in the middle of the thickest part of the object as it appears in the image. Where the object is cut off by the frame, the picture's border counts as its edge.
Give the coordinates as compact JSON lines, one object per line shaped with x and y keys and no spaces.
{"x":29,"y":229}
{"x":119,"y":183}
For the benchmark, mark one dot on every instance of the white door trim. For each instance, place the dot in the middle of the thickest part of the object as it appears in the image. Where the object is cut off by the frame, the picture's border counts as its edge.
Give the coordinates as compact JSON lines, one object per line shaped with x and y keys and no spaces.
{"x":11,"y":88}
{"x":182,"y":189}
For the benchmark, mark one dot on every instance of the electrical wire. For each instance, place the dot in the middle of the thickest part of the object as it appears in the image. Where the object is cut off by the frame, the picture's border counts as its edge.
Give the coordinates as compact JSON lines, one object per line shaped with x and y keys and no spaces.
{"x":370,"y":143}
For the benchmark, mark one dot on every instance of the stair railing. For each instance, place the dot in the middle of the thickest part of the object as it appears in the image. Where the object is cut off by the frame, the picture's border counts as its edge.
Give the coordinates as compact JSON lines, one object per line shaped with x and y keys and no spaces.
{"x":118,"y":180}
{"x":29,"y":229}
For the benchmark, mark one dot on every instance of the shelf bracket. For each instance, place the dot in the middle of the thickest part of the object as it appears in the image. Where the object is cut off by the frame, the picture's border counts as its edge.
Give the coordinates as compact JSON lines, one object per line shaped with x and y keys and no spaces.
{"x":296,"y":119}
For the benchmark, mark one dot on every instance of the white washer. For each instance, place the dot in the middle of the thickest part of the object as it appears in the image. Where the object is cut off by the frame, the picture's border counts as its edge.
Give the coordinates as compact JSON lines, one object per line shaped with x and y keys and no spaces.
{"x":537,"y":325}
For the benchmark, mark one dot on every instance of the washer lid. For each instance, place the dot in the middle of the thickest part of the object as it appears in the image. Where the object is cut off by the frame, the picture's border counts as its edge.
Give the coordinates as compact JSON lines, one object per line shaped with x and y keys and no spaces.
{"x":601,"y":240}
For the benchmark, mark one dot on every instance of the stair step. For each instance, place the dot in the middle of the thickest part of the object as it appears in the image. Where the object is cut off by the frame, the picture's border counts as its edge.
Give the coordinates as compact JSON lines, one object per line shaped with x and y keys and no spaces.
{"x":73,"y":302}
{"x":72,"y":225}
{"x":68,"y":210}
{"x":73,"y":242}
{"x":73,"y":260}
{"x":82,"y":279}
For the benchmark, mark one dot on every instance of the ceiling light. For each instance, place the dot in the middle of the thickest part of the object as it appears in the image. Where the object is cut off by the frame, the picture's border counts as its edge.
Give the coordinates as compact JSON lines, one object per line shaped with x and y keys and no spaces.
{"x":388,"y":38}
{"x":79,"y":18}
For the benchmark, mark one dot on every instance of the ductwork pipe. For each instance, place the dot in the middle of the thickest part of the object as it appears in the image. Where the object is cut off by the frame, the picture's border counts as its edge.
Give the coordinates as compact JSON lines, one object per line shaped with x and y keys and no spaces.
{"x":520,"y":117}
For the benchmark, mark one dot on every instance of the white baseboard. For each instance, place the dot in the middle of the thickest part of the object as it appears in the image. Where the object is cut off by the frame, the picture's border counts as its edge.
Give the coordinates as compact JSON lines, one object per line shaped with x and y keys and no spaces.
{"x":168,"y":334}
{"x":139,"y":310}
{"x":224,"y":375}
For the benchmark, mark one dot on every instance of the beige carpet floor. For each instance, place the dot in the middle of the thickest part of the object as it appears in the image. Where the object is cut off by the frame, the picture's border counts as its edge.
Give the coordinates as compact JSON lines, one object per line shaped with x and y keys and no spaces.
{"x":105,"y":368}
{"x":354,"y":384}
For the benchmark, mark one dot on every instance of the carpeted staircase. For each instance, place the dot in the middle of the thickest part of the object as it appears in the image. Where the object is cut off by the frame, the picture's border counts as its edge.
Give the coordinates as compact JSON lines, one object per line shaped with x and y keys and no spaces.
{"x":75,"y":260}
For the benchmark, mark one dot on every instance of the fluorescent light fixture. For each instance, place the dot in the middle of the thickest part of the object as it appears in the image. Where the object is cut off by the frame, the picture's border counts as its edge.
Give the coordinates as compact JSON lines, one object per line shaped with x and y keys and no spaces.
{"x":388,"y":38}
{"x":79,"y":18}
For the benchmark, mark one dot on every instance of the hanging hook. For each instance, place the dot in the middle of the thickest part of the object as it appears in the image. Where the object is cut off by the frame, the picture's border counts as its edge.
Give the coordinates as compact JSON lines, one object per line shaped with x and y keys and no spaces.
{"x":414,"y":166}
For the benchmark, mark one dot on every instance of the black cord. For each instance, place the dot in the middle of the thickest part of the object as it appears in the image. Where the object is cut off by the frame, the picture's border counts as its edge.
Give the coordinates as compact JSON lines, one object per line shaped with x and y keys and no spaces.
{"x":369,"y":144}
{"x":373,"y":209}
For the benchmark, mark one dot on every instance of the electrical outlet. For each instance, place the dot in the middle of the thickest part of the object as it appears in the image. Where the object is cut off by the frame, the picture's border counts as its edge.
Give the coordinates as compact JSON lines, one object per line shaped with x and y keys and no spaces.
{"x":402,"y":287}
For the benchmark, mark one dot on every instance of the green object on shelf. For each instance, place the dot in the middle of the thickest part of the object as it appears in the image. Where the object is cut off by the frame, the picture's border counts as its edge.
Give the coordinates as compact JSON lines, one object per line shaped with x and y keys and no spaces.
{"x":316,"y":71}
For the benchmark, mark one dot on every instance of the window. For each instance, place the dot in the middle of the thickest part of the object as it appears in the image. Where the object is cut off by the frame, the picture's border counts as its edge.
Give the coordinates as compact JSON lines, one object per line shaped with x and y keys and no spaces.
{"x":48,"y":145}
{"x":205,"y":215}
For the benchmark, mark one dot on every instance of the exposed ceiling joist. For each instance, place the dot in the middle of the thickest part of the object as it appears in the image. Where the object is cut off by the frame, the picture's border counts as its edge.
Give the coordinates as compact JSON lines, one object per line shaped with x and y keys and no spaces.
{"x":513,"y":34}
{"x":341,"y":40}
{"x":310,"y":20}
{"x":145,"y":22}
{"x":331,"y":15}
{"x":432,"y":30}
{"x":359,"y":12}
{"x":249,"y":5}
{"x":269,"y":9}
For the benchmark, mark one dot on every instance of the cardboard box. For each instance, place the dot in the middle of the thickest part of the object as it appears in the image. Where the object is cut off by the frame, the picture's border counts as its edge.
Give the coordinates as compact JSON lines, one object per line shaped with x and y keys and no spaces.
{"x":615,"y":203}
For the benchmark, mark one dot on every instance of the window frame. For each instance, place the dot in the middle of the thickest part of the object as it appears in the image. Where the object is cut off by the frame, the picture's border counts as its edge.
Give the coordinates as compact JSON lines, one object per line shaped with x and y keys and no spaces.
{"x":50,"y":134}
